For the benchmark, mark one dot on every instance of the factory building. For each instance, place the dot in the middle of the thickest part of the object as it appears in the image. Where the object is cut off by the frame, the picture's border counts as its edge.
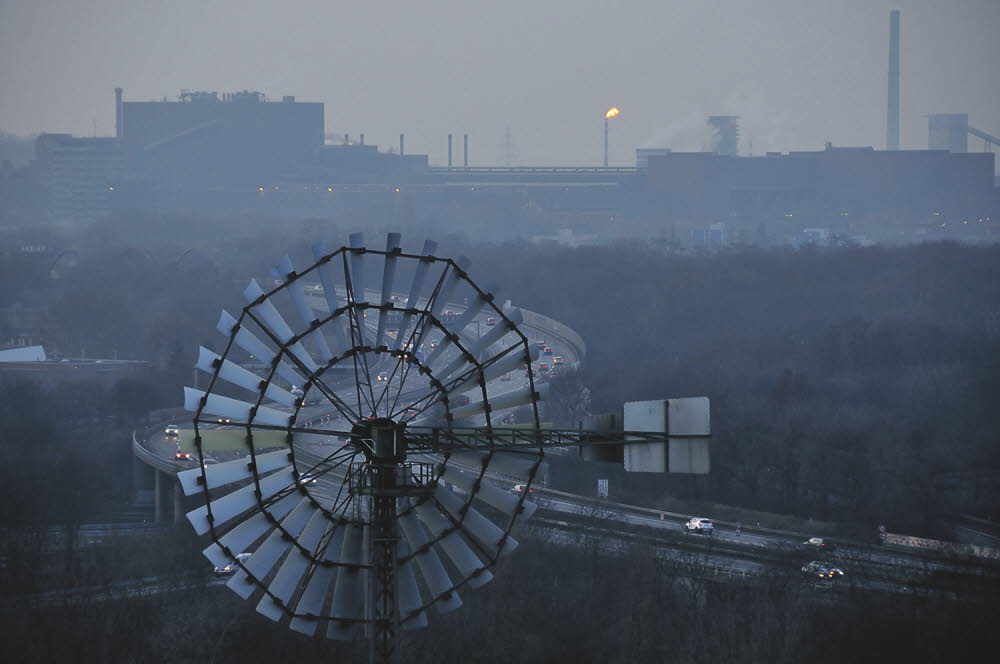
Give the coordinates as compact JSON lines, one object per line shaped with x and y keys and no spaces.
{"x":78,"y":176}
{"x":845,"y":187}
{"x":205,"y":139}
{"x":948,"y":131}
{"x":212,"y":154}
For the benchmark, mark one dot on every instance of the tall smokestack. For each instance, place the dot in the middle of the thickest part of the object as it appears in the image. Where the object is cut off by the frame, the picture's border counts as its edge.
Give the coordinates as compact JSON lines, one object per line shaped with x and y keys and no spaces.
{"x":465,"y":150}
{"x":400,"y":145}
{"x":892,"y":110}
{"x":118,"y":112}
{"x":449,"y":150}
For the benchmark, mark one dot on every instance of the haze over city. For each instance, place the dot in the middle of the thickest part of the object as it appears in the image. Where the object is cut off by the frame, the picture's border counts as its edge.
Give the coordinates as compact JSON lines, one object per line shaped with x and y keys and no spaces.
{"x":537,"y":332}
{"x":798,"y":73}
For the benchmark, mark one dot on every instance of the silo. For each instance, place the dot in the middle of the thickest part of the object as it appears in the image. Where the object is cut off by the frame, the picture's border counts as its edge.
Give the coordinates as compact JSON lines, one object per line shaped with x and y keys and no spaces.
{"x":948,"y":131}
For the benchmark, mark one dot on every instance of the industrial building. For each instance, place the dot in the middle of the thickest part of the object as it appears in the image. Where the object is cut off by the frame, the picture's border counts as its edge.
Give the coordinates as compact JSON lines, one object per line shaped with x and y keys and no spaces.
{"x":830,"y":184}
{"x":205,"y":139}
{"x":214,"y":154}
{"x":32,"y":363}
{"x":78,"y":175}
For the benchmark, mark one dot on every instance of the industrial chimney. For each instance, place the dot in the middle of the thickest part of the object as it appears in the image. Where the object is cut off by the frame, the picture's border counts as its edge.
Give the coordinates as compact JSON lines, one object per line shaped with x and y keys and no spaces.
{"x":118,"y":112}
{"x":892,"y":110}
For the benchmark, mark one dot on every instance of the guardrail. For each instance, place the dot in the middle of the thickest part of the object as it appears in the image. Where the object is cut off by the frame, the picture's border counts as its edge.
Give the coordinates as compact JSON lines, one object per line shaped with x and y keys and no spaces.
{"x":673,"y":515}
{"x":151,"y":459}
{"x":688,"y":554}
{"x":956,"y":553}
{"x":556,"y":329}
{"x":908,"y":542}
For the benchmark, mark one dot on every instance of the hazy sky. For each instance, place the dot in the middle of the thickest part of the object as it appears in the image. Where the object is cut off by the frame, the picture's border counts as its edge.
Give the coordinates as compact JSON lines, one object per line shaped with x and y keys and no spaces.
{"x":799,"y":72}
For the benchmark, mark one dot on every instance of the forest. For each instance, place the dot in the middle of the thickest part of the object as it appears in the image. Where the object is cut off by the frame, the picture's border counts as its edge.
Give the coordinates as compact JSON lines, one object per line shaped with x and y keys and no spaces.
{"x":843,"y":381}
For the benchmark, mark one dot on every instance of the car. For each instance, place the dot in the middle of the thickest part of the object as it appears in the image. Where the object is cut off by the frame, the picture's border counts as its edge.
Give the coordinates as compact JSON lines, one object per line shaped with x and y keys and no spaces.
{"x":434,"y":344}
{"x":223,"y":420}
{"x":819,"y":544}
{"x":181,"y":455}
{"x":461,"y":400}
{"x":558,"y":359}
{"x":553,"y":373}
{"x":817,"y":569}
{"x":233,"y":566}
{"x":383,"y":376}
{"x":540,"y":344}
{"x":450,"y":316}
{"x":172,"y":430}
{"x":543,"y":366}
{"x":491,"y":321}
{"x":520,"y":488}
{"x":307,"y":479}
{"x":505,"y":376}
{"x":547,"y":350}
{"x":527,"y":371}
{"x":700,"y":525}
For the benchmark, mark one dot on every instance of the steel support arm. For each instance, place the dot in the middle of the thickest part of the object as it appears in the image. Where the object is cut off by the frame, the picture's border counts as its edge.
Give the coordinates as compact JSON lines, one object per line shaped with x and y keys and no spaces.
{"x":432,"y":439}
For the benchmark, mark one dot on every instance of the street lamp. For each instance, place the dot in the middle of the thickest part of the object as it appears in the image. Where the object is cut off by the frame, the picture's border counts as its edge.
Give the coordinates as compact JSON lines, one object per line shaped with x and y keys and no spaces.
{"x":612,"y":112}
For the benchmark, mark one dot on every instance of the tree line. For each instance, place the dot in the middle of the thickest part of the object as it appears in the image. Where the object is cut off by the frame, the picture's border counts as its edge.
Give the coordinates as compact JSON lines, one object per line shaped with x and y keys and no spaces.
{"x":843,"y":381}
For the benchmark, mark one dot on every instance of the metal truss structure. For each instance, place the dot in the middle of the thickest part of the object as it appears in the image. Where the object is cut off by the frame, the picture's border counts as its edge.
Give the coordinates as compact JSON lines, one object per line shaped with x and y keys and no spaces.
{"x":361,"y":482}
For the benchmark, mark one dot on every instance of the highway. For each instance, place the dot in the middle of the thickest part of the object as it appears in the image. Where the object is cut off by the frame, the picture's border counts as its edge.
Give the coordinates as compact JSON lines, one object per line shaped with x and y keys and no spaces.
{"x":695,"y":556}
{"x":571,"y":520}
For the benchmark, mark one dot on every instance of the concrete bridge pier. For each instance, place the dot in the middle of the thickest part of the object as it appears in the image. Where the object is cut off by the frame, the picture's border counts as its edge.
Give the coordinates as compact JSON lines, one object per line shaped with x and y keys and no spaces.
{"x":162,"y":486}
{"x":169,"y":498}
{"x":178,"y":502}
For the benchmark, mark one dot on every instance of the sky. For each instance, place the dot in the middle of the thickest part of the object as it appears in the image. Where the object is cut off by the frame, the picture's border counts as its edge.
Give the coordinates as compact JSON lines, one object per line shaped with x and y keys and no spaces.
{"x":798,"y":72}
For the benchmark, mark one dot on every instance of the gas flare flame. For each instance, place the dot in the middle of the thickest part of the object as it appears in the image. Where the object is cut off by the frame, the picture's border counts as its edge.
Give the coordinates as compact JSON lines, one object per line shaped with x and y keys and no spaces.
{"x":612,"y":112}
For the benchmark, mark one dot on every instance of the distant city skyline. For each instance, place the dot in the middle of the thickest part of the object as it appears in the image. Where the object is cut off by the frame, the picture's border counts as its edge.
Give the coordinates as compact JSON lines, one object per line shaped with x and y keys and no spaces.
{"x":797,"y":75}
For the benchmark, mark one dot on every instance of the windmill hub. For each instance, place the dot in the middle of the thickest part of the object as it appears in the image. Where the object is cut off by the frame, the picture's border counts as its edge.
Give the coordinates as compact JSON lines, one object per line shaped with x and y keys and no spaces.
{"x":380,"y":439}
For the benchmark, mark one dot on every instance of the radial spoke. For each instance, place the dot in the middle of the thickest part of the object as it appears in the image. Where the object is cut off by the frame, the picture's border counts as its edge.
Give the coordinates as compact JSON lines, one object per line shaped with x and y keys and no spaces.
{"x":271,"y":427}
{"x":385,"y":390}
{"x":419,"y":327}
{"x":342,"y":454}
{"x":340,"y":505}
{"x":357,"y":340}
{"x":327,"y":392}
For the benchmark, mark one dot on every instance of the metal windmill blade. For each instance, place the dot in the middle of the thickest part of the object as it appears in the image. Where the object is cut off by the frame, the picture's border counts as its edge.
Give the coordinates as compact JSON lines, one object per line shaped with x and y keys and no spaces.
{"x":349,"y":404}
